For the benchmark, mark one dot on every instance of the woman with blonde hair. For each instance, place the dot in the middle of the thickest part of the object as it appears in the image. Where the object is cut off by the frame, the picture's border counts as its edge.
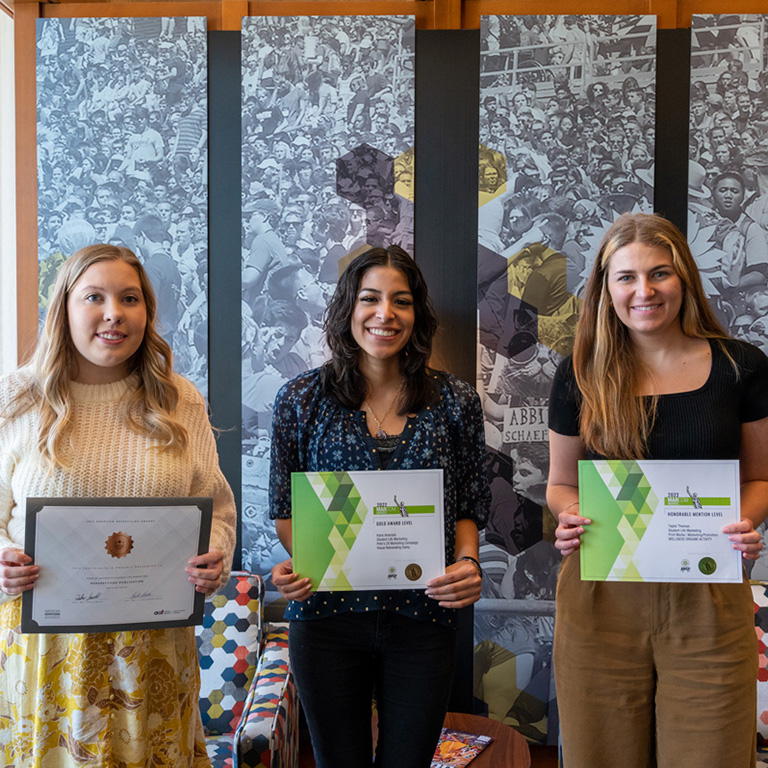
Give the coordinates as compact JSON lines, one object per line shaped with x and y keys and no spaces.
{"x":655,"y":673}
{"x":99,"y":412}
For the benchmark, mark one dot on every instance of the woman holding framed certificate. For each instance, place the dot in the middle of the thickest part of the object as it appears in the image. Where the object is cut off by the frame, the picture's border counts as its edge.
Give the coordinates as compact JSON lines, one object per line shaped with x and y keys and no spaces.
{"x":99,"y":412}
{"x":655,"y":673}
{"x":377,"y":406}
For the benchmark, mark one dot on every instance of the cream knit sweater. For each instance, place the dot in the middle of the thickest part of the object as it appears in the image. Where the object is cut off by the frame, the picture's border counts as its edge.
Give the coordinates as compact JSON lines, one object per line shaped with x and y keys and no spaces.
{"x":109,"y":459}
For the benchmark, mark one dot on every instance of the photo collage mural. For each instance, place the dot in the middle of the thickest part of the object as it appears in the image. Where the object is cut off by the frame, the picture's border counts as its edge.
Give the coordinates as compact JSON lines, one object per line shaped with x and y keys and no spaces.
{"x":567,"y":119}
{"x":566,"y":124}
{"x":728,"y":169}
{"x":122,"y":128}
{"x":328,"y":163}
{"x":728,"y":210}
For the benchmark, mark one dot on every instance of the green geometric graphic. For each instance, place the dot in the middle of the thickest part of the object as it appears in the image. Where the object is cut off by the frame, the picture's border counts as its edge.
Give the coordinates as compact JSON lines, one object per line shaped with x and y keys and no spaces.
{"x":323,"y":545}
{"x":636,"y":501}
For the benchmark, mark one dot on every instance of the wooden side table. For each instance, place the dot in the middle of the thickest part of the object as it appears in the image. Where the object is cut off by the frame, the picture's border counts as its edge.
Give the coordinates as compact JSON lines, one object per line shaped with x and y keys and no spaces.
{"x":508,"y":748}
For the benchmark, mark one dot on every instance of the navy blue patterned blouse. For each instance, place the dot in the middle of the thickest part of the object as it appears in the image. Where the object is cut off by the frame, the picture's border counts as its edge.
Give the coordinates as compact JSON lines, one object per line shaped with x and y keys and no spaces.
{"x":314,"y":433}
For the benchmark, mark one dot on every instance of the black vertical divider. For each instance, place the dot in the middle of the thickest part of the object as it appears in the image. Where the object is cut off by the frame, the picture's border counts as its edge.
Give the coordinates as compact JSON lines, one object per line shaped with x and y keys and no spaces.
{"x":224,"y":270}
{"x":447,"y":108}
{"x":673,"y":67}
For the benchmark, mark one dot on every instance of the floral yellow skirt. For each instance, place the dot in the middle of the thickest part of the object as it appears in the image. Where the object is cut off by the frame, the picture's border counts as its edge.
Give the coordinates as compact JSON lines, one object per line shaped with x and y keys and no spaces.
{"x":99,"y":700}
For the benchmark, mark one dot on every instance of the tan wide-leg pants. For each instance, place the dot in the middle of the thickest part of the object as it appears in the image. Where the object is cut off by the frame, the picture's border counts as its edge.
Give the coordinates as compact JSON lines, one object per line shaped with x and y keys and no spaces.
{"x":655,"y":674}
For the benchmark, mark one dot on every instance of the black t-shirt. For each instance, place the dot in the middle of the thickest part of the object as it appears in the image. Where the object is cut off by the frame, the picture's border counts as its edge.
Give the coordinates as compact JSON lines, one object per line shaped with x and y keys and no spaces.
{"x":698,"y":425}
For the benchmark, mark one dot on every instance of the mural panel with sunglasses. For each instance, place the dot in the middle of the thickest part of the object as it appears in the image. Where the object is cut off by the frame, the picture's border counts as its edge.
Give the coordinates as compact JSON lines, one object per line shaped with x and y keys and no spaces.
{"x":327,"y":149}
{"x":567,"y":118}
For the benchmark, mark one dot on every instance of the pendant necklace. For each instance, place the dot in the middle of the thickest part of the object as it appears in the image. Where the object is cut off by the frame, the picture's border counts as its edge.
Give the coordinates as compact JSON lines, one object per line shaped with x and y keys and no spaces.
{"x":380,"y":433}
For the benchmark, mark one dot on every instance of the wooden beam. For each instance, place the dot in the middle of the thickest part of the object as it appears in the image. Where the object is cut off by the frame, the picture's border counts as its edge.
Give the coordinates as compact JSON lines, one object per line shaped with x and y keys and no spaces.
{"x":25,"y":16}
{"x":232,"y":12}
{"x":447,"y":14}
{"x":666,"y":12}
{"x":430,"y":14}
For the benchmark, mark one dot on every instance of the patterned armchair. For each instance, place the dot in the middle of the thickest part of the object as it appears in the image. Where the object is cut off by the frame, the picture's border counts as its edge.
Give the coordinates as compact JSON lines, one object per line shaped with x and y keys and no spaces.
{"x":760,"y":599}
{"x":248,"y":700}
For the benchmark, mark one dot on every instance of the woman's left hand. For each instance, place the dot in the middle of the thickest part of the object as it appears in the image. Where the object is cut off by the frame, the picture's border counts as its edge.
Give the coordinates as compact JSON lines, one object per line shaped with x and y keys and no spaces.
{"x":205,"y":571}
{"x":745,"y":538}
{"x":457,"y":587}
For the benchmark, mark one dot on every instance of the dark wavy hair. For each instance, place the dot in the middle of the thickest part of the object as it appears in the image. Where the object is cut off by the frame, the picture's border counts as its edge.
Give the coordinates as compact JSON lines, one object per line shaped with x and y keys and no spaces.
{"x":341,"y":375}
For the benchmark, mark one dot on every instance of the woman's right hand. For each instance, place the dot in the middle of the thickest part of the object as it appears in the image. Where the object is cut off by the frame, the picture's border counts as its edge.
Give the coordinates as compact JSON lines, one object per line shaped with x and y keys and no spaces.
{"x":570,"y":526}
{"x":16,"y":573}
{"x":289,"y":584}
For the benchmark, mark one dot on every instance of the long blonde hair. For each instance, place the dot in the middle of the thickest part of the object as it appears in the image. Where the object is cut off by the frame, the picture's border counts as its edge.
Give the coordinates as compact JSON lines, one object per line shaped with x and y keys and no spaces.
{"x":615,"y":421}
{"x":150,"y":408}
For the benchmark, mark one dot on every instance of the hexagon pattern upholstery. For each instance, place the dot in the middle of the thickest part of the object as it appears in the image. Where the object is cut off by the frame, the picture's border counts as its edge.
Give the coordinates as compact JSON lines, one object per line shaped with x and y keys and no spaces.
{"x":760,"y":599}
{"x":248,"y":700}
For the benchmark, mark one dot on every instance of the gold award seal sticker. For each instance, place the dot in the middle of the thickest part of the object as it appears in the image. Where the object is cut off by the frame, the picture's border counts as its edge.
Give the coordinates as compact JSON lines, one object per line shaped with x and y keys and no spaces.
{"x":119,"y":544}
{"x":413,"y":572}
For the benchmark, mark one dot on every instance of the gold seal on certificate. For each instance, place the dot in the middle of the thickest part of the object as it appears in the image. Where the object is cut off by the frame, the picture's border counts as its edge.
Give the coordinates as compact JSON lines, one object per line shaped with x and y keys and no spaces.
{"x":413,"y":572}
{"x":659,"y":520}
{"x":114,"y":564}
{"x":368,"y":530}
{"x":119,"y":544}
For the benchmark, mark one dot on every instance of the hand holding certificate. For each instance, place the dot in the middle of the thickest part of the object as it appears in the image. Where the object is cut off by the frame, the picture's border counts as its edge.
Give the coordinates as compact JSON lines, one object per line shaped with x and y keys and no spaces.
{"x":115,"y":564}
{"x":368,"y":530}
{"x":659,"y":520}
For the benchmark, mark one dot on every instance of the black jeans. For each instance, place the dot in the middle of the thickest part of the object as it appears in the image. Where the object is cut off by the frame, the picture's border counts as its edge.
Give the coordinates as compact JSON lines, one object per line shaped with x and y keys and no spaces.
{"x":338,"y":663}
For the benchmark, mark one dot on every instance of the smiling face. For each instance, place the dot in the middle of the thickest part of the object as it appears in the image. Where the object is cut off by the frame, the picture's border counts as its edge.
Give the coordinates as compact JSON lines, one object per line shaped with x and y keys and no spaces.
{"x":744,"y":103}
{"x":383,"y":317}
{"x":107,"y":318}
{"x":491,"y":177}
{"x":645,"y":290}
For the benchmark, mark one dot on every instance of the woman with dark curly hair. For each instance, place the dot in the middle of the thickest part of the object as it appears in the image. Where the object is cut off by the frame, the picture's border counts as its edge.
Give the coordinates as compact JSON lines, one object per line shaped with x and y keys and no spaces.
{"x":377,"y":406}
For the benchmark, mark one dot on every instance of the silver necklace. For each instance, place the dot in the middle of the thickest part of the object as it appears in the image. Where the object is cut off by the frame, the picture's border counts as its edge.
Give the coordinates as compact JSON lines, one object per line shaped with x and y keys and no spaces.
{"x":380,"y":433}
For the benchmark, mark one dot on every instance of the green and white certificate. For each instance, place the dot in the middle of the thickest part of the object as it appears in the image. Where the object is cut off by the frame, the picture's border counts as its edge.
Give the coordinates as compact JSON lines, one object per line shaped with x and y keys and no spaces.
{"x":368,"y":530}
{"x":659,"y":520}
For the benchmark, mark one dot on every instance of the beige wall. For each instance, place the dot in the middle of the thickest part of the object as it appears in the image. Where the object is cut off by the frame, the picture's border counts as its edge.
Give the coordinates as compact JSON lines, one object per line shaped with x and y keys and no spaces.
{"x":7,"y":200}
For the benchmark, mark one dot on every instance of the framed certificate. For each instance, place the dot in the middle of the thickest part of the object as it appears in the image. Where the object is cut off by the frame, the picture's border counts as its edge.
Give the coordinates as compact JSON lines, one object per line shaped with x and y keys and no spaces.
{"x":368,"y":530}
{"x":659,"y":520}
{"x":110,"y":564}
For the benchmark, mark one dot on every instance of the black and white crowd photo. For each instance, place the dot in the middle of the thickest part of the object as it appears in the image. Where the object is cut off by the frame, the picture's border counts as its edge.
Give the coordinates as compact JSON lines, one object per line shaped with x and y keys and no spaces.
{"x":122,"y":159}
{"x":567,"y":141}
{"x":328,"y":166}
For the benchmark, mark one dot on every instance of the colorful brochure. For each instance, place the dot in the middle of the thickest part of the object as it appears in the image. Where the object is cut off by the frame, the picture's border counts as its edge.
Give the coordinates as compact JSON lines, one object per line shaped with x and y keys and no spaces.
{"x":368,"y":530}
{"x":659,"y":520}
{"x":457,"y":749}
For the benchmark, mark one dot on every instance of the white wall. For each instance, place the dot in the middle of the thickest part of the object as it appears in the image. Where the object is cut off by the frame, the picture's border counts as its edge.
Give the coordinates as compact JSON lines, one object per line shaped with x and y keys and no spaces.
{"x":7,"y":200}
